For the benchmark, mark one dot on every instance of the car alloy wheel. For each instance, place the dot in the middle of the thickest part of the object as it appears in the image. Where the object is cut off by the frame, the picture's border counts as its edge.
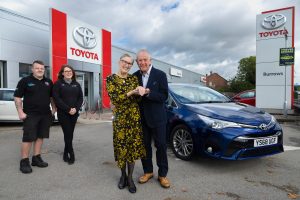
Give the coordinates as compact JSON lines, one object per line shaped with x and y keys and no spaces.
{"x":182,"y":142}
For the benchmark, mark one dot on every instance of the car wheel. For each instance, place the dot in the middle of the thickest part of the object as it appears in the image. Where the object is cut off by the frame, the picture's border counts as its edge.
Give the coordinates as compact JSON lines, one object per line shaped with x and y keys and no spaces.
{"x":182,"y":142}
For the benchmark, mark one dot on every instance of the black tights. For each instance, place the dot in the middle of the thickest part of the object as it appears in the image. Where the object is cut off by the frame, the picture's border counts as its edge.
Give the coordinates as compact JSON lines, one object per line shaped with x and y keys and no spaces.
{"x":67,"y":123}
{"x":130,"y":168}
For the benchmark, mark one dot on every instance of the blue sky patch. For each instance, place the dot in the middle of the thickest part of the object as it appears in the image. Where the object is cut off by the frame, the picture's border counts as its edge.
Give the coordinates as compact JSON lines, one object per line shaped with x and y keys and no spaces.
{"x":168,"y":8}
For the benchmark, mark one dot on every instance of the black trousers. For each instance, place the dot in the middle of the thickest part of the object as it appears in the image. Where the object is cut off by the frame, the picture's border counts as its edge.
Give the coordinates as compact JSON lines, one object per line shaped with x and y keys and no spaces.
{"x":160,"y":141}
{"x":67,"y":123}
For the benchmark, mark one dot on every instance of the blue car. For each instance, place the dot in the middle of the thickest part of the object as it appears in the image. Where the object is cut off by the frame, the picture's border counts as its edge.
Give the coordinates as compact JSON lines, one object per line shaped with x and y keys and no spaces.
{"x":202,"y":120}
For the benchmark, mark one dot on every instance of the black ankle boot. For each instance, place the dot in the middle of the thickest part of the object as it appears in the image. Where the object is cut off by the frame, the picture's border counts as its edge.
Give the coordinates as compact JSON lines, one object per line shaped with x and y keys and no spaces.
{"x":66,"y":157}
{"x":25,"y":166}
{"x":123,"y":182}
{"x":72,"y":158}
{"x":123,"y":179}
{"x":130,"y":182}
{"x":131,"y":185}
{"x":38,"y":161}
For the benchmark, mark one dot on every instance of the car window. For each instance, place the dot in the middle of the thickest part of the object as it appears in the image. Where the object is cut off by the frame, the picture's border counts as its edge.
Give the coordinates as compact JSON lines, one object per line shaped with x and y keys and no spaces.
{"x":247,"y":95}
{"x":197,"y":94}
{"x":6,"y":95}
{"x":170,"y":101}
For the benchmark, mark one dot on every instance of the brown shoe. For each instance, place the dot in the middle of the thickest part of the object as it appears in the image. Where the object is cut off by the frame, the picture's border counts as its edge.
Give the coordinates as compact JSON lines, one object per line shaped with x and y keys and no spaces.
{"x":145,"y":177}
{"x":164,"y":182}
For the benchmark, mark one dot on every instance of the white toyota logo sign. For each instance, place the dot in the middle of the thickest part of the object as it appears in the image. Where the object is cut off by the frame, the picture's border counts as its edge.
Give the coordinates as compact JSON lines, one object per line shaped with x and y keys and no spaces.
{"x":84,"y":37}
{"x":273,"y":21}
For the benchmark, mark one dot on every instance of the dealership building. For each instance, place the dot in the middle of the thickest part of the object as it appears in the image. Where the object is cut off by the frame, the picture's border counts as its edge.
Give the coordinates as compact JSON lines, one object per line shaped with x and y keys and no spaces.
{"x":67,"y":40}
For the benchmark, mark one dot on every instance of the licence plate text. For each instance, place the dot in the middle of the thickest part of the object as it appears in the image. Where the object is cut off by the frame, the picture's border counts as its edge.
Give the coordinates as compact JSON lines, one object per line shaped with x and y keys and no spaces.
{"x":265,"y":141}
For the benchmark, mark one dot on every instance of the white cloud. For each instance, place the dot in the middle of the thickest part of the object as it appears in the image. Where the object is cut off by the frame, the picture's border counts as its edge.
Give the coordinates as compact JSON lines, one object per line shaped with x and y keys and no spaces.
{"x":226,"y":68}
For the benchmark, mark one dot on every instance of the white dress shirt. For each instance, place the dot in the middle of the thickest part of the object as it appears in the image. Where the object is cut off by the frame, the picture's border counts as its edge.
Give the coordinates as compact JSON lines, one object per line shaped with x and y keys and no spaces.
{"x":145,"y":76}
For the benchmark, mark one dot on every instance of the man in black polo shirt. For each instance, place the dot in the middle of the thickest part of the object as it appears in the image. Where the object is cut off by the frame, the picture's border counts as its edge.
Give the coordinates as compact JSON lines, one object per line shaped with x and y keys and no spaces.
{"x":35,"y":112}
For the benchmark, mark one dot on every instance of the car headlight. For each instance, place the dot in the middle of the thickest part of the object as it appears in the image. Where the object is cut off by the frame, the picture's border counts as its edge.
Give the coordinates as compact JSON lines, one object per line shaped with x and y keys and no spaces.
{"x":218,"y":124}
{"x":273,"y":120}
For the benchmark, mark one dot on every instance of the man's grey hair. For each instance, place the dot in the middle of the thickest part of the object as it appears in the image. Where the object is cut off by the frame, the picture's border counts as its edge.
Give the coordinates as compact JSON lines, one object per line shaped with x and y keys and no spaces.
{"x":143,"y":51}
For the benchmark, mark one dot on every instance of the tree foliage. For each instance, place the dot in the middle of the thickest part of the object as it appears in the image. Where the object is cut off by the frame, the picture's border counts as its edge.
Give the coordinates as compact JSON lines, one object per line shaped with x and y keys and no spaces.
{"x":245,"y":78}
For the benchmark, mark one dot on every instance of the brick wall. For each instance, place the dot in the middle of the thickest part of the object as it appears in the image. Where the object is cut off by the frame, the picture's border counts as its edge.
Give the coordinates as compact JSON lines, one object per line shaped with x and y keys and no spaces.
{"x":215,"y":81}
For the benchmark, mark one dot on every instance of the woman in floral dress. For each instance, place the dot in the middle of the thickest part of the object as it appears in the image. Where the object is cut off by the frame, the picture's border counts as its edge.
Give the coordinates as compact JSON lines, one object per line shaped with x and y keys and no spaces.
{"x":124,"y":93}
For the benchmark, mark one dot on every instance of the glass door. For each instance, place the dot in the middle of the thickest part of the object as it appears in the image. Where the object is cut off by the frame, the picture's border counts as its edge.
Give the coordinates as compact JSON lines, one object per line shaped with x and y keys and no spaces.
{"x":80,"y":80}
{"x":1,"y":75}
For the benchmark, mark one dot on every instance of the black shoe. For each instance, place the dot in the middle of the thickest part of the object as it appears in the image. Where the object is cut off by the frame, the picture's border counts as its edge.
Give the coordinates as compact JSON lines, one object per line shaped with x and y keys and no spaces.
{"x":25,"y":166}
{"x":72,"y":158}
{"x":38,"y":161}
{"x":66,"y":157}
{"x":131,"y":186}
{"x":122,"y":183}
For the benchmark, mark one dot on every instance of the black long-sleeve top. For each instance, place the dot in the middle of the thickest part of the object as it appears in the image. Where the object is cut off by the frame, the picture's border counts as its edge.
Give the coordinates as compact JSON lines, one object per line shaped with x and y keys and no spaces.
{"x":67,"y":96}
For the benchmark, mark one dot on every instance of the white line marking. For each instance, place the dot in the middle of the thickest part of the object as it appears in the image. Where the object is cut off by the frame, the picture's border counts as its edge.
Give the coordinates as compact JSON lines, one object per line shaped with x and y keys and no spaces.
{"x":290,"y":148}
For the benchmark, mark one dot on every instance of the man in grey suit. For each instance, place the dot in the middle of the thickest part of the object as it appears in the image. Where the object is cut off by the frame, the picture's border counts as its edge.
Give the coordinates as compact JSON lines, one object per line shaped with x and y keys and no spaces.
{"x":154,"y":118}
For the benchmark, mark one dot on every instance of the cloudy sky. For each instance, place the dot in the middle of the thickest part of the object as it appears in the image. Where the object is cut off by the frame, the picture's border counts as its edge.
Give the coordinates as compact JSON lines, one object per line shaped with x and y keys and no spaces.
{"x":199,"y":35}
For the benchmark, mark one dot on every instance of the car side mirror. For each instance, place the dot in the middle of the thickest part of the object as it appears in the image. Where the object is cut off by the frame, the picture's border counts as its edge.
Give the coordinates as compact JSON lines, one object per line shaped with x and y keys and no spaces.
{"x":169,"y":107}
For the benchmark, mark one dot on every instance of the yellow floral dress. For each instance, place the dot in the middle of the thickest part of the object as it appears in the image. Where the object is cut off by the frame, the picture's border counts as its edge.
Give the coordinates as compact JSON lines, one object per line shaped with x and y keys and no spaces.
{"x":127,"y":127}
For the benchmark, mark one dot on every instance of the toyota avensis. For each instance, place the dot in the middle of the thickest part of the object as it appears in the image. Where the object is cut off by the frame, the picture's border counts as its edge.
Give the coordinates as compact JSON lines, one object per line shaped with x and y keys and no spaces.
{"x":201,"y":120}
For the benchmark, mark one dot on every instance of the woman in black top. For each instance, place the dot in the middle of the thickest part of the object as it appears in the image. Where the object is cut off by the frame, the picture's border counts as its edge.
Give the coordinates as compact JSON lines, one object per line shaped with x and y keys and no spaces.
{"x":68,"y":98}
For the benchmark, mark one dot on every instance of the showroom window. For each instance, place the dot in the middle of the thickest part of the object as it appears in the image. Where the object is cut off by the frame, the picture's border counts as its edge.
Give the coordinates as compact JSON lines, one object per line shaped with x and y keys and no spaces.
{"x":1,"y":74}
{"x":25,"y":70}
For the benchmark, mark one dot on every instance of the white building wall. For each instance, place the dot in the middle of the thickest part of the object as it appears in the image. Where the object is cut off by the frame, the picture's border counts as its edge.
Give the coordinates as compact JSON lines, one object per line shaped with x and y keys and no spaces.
{"x":22,"y":40}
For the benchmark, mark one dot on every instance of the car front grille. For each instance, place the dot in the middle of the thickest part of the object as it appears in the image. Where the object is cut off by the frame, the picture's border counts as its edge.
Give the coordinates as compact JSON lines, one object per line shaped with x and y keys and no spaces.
{"x":261,"y":151}
{"x":256,"y":135}
{"x":234,"y":146}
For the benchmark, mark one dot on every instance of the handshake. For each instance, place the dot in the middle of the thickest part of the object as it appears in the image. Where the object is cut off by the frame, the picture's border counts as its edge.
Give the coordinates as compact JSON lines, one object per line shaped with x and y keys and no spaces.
{"x":141,"y":91}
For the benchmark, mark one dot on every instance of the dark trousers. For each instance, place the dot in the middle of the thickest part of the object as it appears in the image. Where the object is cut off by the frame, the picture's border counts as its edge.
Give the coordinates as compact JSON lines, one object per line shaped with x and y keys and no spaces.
{"x":67,"y":123}
{"x":159,"y":136}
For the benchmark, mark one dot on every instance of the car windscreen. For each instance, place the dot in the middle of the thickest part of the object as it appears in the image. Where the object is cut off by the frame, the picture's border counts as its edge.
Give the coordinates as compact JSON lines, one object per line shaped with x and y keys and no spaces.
{"x":197,"y":94}
{"x":6,"y":95}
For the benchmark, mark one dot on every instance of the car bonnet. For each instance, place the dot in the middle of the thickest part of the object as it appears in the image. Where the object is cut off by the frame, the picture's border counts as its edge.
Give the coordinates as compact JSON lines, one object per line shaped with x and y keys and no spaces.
{"x":234,"y":112}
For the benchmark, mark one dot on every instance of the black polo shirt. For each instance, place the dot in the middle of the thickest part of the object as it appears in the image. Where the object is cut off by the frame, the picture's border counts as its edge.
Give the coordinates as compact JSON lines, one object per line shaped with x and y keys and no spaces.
{"x":36,"y":94}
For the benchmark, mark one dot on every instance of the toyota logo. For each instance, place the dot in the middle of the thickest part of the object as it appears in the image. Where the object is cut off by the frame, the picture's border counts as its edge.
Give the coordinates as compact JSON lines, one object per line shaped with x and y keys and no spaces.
{"x":263,"y":127}
{"x":274,"y":21}
{"x":84,"y":37}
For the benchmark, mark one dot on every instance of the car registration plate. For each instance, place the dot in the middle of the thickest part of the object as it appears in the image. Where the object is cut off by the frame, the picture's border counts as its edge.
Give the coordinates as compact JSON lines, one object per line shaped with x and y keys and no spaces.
{"x":265,"y":141}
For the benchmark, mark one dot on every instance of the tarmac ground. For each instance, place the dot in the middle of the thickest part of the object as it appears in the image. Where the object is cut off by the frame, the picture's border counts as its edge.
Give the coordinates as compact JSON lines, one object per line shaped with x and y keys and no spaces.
{"x":95,"y":174}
